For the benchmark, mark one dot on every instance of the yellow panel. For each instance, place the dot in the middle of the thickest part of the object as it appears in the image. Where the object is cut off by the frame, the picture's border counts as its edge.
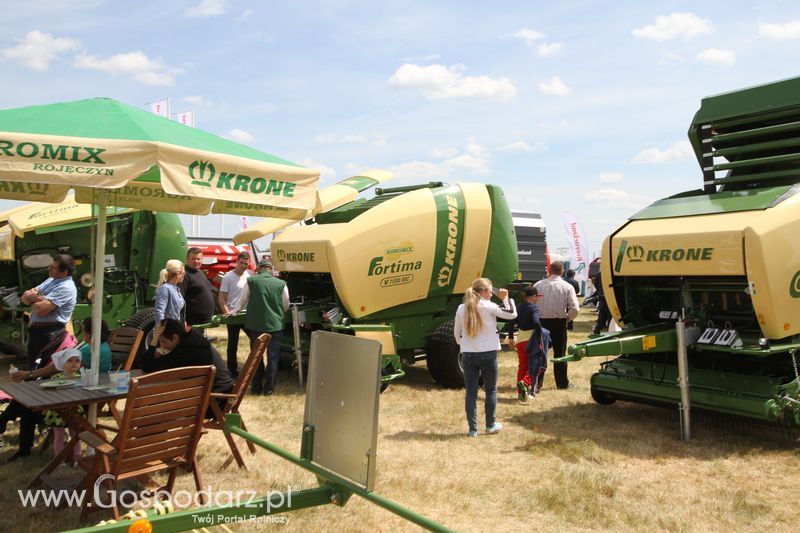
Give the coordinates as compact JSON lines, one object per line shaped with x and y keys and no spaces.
{"x":708,"y":245}
{"x":304,"y":248}
{"x":375,"y":264}
{"x":384,"y":337}
{"x":773,"y":268}
{"x":478,"y":209}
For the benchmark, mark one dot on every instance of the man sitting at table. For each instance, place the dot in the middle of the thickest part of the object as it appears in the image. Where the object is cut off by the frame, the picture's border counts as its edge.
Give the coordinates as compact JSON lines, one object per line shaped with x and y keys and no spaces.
{"x":175,"y":345}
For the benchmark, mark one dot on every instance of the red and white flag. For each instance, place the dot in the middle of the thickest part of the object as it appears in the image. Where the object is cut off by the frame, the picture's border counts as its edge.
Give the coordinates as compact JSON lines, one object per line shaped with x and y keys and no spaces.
{"x":578,"y":247}
{"x":160,"y":108}
{"x":185,"y":117}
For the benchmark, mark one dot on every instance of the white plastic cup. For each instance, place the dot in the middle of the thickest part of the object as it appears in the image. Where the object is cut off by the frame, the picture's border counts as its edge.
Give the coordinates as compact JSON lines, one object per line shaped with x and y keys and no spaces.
{"x":120,"y":380}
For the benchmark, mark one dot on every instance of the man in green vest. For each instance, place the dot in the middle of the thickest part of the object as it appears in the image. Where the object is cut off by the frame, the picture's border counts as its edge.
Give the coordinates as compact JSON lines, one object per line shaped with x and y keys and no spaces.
{"x":267,"y":303}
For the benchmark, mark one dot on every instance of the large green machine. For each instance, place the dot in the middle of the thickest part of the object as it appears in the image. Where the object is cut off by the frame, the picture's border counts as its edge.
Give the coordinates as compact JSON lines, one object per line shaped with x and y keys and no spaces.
{"x":394,"y":268}
{"x":138,"y":245}
{"x":726,"y":258}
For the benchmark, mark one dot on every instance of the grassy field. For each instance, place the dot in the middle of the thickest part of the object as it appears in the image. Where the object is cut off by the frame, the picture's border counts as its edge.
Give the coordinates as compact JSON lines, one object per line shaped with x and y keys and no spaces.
{"x":561,"y":463}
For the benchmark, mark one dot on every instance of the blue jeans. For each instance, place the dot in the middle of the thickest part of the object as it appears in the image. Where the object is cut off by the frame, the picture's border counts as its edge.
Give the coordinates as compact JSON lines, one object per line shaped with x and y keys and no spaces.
{"x":475,"y":364}
{"x":273,"y":358}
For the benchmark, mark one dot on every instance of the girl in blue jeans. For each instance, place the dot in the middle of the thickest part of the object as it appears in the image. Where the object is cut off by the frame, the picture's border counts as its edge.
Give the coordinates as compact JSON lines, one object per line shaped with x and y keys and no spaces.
{"x":476,"y":332}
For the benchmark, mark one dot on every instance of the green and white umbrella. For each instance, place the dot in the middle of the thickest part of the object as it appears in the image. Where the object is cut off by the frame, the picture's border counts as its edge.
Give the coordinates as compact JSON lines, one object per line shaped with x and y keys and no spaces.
{"x":112,"y":154}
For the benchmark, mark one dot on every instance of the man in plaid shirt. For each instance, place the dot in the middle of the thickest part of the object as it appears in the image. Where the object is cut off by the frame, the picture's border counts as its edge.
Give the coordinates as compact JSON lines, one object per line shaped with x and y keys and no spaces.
{"x":558,"y":305}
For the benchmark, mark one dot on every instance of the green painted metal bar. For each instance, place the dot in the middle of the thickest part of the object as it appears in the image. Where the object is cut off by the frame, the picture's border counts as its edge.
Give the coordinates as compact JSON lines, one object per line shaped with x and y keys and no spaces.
{"x":756,"y":132}
{"x":226,"y":514}
{"x":757,"y":147}
{"x":650,"y":339}
{"x":233,"y":425}
{"x":757,"y":161}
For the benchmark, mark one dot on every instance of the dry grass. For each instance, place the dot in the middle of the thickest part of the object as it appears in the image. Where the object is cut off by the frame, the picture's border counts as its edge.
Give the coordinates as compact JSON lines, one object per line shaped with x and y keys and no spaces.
{"x":561,"y":463}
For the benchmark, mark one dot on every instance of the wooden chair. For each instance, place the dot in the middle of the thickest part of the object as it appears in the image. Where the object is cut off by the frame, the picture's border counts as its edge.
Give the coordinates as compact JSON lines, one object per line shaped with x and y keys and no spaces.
{"x":124,"y":344}
{"x":160,"y":428}
{"x":233,"y":399}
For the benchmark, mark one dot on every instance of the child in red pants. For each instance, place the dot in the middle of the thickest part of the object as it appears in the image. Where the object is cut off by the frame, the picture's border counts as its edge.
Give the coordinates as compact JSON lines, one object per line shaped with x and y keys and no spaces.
{"x":528,"y":323}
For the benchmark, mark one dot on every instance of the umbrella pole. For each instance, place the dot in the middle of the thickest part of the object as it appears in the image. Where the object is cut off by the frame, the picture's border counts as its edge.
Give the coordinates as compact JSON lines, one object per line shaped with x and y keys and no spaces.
{"x":99,"y":269}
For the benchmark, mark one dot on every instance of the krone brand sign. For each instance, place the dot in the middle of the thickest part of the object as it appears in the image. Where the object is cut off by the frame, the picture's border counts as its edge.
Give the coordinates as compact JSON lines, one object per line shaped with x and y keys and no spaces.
{"x":204,"y":174}
{"x":636,"y":253}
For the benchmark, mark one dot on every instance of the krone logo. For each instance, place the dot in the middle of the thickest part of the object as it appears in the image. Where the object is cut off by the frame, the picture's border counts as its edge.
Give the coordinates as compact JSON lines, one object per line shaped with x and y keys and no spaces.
{"x":281,"y":255}
{"x":635,"y":253}
{"x":794,"y":286}
{"x":202,"y":173}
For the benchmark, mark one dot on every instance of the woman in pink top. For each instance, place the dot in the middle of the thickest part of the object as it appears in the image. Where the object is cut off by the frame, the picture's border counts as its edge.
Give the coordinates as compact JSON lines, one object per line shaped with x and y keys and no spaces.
{"x":476,"y":332}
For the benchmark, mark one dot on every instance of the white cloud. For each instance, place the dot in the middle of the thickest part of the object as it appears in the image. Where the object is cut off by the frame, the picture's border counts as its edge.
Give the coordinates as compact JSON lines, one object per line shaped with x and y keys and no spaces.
{"x":197,"y":100}
{"x":439,"y":82}
{"x":37,"y":49}
{"x":327,"y":175}
{"x":529,"y":36}
{"x":475,"y":162}
{"x":241,"y":136}
{"x":143,"y":69}
{"x":554,"y":86}
{"x":476,"y":149}
{"x":610,"y":177}
{"x":655,"y":156}
{"x":617,"y":199}
{"x":548,"y":49}
{"x":208,"y":8}
{"x":441,"y":153}
{"x":517,"y":146}
{"x":716,"y":56}
{"x":686,"y":25}
{"x":780,"y":32}
{"x":246,"y":14}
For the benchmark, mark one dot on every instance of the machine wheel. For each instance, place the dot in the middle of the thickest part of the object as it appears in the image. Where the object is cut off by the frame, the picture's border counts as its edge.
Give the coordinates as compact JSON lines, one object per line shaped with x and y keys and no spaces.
{"x":603,"y":397}
{"x":144,"y":320}
{"x":444,"y":364}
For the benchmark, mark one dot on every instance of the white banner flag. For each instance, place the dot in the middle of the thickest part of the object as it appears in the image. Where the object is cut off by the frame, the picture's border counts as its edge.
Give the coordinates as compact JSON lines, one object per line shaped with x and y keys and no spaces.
{"x":185,"y":117}
{"x":160,"y":108}
{"x":578,"y":247}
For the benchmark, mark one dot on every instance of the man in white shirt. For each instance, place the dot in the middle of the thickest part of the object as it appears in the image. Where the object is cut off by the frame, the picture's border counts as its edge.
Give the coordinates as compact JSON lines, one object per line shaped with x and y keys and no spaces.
{"x":558,"y":305}
{"x":232,"y":297}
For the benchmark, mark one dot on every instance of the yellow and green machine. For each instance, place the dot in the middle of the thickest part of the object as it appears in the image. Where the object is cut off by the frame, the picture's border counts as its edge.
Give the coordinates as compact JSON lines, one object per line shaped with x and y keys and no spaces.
{"x":724,"y":258}
{"x":394,"y":267}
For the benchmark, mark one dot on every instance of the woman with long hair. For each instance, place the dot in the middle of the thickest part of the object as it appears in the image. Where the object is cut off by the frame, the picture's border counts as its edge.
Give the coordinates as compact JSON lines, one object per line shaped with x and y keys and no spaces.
{"x":476,"y":332}
{"x":169,"y":300}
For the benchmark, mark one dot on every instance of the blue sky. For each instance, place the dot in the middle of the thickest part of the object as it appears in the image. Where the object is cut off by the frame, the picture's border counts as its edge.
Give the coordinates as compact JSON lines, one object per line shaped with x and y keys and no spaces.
{"x":575,"y":106}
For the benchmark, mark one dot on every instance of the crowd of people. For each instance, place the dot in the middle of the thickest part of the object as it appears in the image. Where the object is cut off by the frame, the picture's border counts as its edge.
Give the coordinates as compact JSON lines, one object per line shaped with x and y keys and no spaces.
{"x":184,"y":299}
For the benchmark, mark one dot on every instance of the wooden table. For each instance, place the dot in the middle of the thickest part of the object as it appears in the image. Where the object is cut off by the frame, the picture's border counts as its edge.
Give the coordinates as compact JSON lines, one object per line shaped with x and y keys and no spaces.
{"x":66,"y":401}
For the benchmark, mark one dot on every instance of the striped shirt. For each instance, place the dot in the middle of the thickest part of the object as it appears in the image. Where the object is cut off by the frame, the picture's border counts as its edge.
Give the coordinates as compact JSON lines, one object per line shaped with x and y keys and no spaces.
{"x":558,"y":298}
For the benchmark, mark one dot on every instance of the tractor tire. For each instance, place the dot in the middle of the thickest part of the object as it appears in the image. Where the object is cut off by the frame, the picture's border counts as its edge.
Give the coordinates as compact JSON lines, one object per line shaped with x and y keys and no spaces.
{"x":144,"y":320}
{"x":602,"y":397}
{"x":443,"y":358}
